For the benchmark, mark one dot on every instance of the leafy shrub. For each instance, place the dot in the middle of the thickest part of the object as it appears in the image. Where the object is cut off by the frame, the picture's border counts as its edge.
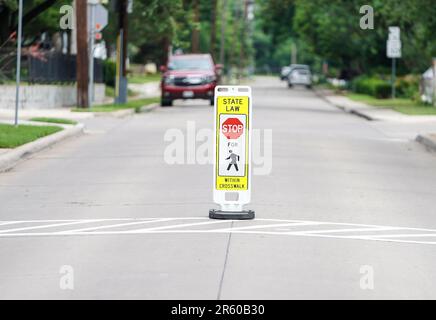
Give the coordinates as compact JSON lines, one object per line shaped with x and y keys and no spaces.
{"x":405,"y":87}
{"x":109,"y":69}
{"x":382,"y":89}
{"x":408,"y":86}
{"x":373,"y":86}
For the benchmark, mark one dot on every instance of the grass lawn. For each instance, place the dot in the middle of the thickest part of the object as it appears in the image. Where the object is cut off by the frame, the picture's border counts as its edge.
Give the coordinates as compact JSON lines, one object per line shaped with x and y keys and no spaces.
{"x":11,"y":136}
{"x":54,"y":120}
{"x":135,"y":78}
{"x":133,"y":104}
{"x":406,"y":106}
{"x":110,"y":92}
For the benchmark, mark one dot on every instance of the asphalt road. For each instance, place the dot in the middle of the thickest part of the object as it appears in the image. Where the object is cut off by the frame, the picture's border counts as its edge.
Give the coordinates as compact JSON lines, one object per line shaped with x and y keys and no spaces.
{"x":347,"y":211}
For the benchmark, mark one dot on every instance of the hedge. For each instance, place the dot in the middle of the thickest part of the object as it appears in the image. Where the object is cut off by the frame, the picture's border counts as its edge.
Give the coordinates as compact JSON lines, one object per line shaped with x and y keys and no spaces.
{"x":372,"y":86}
{"x":405,"y":87}
{"x":408,"y":87}
{"x":110,"y":70}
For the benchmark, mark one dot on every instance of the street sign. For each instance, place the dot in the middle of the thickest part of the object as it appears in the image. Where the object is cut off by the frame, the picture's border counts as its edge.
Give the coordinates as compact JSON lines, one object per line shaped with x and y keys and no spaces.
{"x":101,"y":17}
{"x":232,"y":128}
{"x":393,"y":49}
{"x":97,"y":20}
{"x":130,"y":6}
{"x":394,"y":33}
{"x":393,"y":45}
{"x":98,"y":17}
{"x":232,"y":166}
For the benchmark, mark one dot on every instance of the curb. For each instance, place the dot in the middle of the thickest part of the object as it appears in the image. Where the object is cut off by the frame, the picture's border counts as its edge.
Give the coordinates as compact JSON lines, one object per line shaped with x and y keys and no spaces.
{"x":360,"y":114}
{"x":126,"y":112}
{"x":427,"y":141}
{"x":149,"y":107}
{"x":116,"y":114}
{"x":11,"y":158}
{"x":343,"y":108}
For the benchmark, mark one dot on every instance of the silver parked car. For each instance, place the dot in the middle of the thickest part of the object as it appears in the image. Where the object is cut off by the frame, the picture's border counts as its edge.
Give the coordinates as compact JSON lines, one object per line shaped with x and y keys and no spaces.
{"x":284,"y":72}
{"x":300,"y":75}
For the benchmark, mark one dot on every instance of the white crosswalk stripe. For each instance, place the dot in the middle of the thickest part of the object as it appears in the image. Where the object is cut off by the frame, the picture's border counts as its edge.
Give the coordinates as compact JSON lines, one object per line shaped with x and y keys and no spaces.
{"x":112,"y":226}
{"x":273,"y":227}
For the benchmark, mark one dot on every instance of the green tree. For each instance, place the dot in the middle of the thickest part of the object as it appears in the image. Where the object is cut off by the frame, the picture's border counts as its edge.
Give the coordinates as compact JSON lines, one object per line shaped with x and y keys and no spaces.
{"x":417,"y":20}
{"x":277,"y":18}
{"x":153,"y":25}
{"x":331,"y":30}
{"x":34,"y":21}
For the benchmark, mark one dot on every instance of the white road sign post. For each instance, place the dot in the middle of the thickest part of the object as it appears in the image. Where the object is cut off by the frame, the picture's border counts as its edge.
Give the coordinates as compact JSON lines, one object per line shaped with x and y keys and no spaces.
{"x":393,"y":51}
{"x":232,"y":152}
{"x":434,"y":83}
{"x":97,"y":21}
{"x":18,"y":71}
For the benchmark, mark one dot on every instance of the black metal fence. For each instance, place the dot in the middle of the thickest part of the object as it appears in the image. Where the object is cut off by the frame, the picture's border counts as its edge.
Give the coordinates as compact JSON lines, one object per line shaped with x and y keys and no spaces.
{"x":45,"y":67}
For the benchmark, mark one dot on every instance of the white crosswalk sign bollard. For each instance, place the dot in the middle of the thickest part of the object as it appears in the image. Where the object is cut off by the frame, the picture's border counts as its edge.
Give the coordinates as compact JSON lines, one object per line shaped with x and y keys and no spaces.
{"x":232,"y":152}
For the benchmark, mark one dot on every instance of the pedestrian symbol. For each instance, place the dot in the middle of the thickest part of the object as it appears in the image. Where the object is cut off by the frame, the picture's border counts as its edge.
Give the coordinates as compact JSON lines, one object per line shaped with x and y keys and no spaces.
{"x":234,"y":160}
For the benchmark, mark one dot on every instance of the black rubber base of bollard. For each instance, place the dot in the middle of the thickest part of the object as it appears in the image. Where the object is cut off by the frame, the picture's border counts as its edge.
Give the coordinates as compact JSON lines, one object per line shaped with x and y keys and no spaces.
{"x":231,"y":215}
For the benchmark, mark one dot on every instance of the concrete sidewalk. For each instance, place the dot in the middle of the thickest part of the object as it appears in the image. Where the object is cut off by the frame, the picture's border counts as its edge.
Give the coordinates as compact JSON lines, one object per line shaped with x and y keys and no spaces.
{"x":64,"y":113}
{"x":427,"y":140}
{"x":9,"y":158}
{"x":146,"y":90}
{"x":412,"y":127}
{"x":367,"y":111}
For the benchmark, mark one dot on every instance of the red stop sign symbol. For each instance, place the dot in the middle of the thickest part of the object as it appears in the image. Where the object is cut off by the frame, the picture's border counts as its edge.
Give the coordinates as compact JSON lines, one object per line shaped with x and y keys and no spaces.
{"x":232,"y":128}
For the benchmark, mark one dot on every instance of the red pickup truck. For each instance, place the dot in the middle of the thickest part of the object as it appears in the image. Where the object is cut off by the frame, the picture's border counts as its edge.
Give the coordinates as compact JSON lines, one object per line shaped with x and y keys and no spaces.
{"x":189,"y":76}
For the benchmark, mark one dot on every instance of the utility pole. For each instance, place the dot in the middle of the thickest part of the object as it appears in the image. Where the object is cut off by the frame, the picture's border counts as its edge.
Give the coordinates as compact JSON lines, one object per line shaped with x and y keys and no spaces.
{"x":223,"y":31}
{"x":195,"y":41}
{"x":242,"y":53}
{"x":122,"y":41}
{"x":293,"y":53}
{"x":124,"y":25}
{"x":82,"y":54}
{"x":213,"y":28}
{"x":91,"y":7}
